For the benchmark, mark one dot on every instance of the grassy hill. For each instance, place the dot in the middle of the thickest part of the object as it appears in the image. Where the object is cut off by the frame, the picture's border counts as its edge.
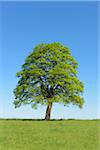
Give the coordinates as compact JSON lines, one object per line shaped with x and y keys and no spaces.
{"x":49,"y":135}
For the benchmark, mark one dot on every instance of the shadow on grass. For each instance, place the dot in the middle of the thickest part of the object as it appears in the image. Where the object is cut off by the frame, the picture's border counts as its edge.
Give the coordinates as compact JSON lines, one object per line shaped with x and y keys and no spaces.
{"x":31,"y":119}
{"x":69,"y":119}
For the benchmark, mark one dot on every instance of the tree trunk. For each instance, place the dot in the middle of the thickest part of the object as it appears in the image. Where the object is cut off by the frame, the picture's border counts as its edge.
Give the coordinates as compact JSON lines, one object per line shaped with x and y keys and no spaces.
{"x":48,"y":111}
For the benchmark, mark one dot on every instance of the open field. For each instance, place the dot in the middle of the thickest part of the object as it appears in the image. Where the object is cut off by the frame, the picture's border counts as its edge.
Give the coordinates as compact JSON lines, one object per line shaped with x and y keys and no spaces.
{"x":49,"y":135}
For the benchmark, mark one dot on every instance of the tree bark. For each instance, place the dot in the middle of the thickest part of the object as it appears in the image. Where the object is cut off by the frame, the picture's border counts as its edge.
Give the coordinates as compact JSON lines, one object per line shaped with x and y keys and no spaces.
{"x":48,"y":111}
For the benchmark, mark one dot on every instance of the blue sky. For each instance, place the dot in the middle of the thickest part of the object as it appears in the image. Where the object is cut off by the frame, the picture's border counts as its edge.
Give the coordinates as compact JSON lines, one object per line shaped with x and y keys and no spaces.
{"x":26,"y":24}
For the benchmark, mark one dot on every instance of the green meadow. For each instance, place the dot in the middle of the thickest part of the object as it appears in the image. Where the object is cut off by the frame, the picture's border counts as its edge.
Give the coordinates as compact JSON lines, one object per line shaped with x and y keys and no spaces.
{"x":49,"y":135}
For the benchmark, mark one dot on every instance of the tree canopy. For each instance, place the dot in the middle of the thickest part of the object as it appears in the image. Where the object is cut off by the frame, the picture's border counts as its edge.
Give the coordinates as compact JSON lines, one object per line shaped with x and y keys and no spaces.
{"x":49,"y":75}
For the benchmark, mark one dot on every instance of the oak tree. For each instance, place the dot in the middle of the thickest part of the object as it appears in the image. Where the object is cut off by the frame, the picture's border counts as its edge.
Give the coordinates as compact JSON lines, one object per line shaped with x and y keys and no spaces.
{"x":49,"y":75}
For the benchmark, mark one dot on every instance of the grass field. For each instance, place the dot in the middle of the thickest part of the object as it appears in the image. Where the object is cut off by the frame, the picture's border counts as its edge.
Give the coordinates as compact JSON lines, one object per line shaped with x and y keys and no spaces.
{"x":49,"y":135}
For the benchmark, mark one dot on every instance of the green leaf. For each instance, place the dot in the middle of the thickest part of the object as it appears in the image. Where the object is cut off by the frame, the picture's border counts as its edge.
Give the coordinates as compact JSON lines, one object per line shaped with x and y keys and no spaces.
{"x":49,"y":74}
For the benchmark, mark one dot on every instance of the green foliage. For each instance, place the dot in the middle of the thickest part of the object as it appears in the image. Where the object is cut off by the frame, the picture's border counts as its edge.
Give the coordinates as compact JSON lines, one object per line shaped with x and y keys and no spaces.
{"x":49,"y":74}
